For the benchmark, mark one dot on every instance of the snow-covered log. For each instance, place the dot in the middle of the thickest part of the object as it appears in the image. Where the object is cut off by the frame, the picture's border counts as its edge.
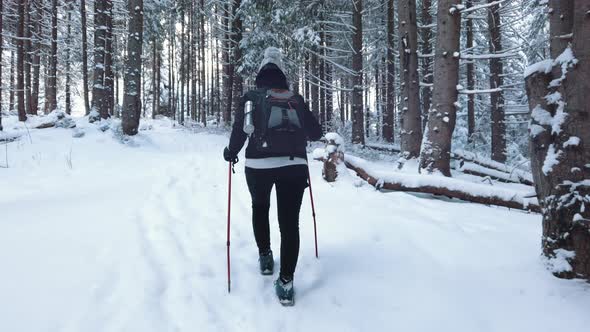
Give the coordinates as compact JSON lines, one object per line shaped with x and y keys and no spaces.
{"x":517,"y":175}
{"x":441,"y":186}
{"x":478,"y":167}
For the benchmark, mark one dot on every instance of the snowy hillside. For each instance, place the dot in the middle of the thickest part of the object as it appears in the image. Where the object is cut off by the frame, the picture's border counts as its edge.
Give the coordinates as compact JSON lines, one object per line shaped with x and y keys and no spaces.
{"x":96,"y":235}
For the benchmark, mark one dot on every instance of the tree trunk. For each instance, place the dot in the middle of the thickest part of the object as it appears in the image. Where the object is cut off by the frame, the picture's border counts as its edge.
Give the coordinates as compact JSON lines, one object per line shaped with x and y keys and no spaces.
{"x":109,"y":75}
{"x":51,"y":90}
{"x":203,"y":106}
{"x":496,"y":81}
{"x":1,"y":52}
{"x":470,"y":76}
{"x":436,"y":149}
{"x":132,"y":94}
{"x":70,"y":5}
{"x":238,"y":83}
{"x":322,"y":76}
{"x":358,"y":133}
{"x":227,"y":66}
{"x":314,"y":93}
{"x":182,"y":65}
{"x":411,"y":119}
{"x":426,"y":35}
{"x":98,"y":88}
{"x":20,"y":66}
{"x":84,"y":56}
{"x":28,"y":59}
{"x":389,"y":114}
{"x":12,"y":79}
{"x":560,"y":141}
{"x":329,"y":94}
{"x":36,"y":58}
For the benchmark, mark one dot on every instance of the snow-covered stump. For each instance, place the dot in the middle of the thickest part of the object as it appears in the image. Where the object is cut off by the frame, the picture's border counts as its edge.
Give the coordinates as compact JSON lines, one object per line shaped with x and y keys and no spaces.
{"x":334,"y":157}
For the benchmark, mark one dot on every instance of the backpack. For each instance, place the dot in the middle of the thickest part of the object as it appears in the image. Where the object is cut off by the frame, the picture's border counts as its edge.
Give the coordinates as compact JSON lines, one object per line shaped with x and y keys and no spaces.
{"x":278,"y":122}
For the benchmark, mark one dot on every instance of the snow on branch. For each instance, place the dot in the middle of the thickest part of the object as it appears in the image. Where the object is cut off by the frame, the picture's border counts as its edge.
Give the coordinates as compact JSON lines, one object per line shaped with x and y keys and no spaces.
{"x":488,"y":56}
{"x":475,"y":92}
{"x":465,"y":10}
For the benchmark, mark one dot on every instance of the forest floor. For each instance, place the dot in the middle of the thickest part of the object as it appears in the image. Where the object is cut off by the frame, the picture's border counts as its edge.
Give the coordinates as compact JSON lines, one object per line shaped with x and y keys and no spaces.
{"x":97,"y":235}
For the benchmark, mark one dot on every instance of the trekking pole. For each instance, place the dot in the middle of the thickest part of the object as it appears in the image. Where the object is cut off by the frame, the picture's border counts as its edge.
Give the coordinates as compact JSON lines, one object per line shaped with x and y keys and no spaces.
{"x":315,"y":231}
{"x":228,"y":228}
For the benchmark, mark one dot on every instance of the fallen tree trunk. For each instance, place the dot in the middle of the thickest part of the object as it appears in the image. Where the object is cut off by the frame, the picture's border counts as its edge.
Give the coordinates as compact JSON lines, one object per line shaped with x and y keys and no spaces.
{"x":481,"y":171}
{"x":521,"y":176}
{"x":442,"y":186}
{"x":487,"y":168}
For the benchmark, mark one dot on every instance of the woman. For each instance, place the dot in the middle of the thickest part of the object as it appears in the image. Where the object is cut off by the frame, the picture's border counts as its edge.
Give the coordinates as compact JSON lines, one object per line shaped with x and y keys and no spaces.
{"x":284,"y":167}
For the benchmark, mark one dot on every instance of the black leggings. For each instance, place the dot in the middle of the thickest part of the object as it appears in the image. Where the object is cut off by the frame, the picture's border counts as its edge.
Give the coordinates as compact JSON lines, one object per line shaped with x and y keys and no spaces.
{"x":290,"y":182}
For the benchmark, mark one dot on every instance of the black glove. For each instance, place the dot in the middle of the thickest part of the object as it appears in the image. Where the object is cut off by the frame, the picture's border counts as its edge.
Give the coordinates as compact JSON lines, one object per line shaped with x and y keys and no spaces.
{"x":230,"y":156}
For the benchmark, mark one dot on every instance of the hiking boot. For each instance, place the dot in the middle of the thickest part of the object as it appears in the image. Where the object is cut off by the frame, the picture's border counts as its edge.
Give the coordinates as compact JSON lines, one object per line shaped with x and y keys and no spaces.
{"x":267,"y":263}
{"x":285,"y":292}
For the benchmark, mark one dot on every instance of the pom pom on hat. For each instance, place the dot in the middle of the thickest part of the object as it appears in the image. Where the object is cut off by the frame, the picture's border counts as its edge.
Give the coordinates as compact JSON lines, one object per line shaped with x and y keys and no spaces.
{"x":273,"y":55}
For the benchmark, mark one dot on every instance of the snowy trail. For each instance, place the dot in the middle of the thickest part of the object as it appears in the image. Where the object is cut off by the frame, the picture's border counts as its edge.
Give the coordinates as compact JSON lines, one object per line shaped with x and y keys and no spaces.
{"x":143,"y":249}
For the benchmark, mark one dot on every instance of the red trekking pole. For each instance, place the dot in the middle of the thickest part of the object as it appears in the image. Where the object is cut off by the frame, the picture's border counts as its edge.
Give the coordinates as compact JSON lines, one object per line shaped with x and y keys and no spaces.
{"x":228,"y":228}
{"x":315,"y":231}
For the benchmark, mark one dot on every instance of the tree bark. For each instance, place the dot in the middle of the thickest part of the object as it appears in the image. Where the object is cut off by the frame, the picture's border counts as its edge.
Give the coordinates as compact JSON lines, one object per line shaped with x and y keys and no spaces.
{"x":358,"y":133}
{"x":51,"y":90}
{"x":36,"y":50}
{"x":389,"y":114}
{"x":238,"y":83}
{"x":203,"y":106}
{"x":470,"y":76}
{"x":315,"y":103}
{"x":227,"y":67}
{"x":12,"y":79}
{"x":109,"y":75}
{"x":28,"y":59}
{"x":84,"y":56}
{"x":560,"y":141}
{"x":436,"y":149}
{"x":20,"y":60}
{"x":426,"y":63}
{"x":1,"y":52}
{"x":411,"y":119}
{"x":70,"y":5}
{"x":98,"y":88}
{"x":496,"y":81}
{"x":132,"y":94}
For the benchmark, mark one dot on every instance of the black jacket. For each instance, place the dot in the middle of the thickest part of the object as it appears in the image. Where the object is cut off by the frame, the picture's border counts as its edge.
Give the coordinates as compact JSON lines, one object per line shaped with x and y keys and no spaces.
{"x":311,"y":126}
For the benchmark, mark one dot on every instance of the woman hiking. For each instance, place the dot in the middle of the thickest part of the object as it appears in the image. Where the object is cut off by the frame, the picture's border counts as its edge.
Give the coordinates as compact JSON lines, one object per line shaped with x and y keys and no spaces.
{"x":278,"y":124}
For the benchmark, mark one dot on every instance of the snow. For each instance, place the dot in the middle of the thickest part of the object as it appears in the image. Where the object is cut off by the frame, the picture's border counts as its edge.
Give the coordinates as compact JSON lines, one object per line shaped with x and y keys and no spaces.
{"x":551,"y":159}
{"x":543,"y":67}
{"x":336,"y":138}
{"x":572,"y":141}
{"x":99,"y":235}
{"x":560,"y":263}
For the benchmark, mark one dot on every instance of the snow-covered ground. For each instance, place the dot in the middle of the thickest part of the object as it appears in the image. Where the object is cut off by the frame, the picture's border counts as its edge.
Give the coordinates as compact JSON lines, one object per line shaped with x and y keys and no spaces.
{"x":96,"y":235}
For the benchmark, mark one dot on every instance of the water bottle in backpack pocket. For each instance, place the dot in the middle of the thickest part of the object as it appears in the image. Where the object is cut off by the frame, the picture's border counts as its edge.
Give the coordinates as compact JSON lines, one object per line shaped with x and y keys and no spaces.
{"x":279,"y":126}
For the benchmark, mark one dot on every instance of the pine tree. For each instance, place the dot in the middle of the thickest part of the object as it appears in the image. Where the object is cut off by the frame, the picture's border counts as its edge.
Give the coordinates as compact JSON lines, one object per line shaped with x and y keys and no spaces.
{"x":358,"y":132}
{"x":20,"y":60}
{"x":84,"y":56}
{"x":560,"y":140}
{"x":436,"y":148}
{"x":132,"y":94}
{"x":1,"y":52}
{"x":389,"y":115}
{"x":411,"y":119}
{"x":51,"y":89}
{"x":496,"y":82}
